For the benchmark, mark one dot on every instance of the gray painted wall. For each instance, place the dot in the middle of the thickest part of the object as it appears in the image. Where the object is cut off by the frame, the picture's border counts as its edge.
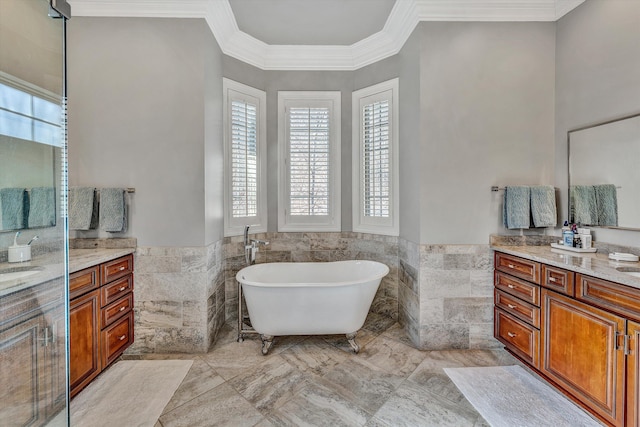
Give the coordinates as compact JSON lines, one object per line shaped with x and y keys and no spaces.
{"x":31,"y":43}
{"x":410,"y":137}
{"x":138,"y":99}
{"x":597,"y":79}
{"x":213,"y":141}
{"x":482,"y":104}
{"x":487,"y":118}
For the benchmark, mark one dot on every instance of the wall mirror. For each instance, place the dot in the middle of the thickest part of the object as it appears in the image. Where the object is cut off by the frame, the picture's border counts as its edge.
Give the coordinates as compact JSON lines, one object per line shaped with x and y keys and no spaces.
{"x":31,"y":137}
{"x":604,"y":174}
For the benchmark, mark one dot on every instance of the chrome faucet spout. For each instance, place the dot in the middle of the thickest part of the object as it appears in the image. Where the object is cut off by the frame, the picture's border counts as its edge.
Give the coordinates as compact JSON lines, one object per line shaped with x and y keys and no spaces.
{"x":246,"y":235}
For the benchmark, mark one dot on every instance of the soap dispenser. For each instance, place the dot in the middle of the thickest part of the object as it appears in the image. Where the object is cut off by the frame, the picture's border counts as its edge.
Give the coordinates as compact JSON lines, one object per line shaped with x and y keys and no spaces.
{"x":19,"y":253}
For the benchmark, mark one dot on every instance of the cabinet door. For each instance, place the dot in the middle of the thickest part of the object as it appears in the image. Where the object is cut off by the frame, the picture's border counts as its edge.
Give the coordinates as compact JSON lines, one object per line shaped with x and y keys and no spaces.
{"x":84,"y":333}
{"x":54,"y":371}
{"x":582,"y":352}
{"x":633,"y":375}
{"x":19,"y":394}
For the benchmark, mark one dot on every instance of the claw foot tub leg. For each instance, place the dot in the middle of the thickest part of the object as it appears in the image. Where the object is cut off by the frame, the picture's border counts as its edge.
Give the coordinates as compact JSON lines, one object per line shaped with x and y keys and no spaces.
{"x":267,"y":342}
{"x":352,"y":340}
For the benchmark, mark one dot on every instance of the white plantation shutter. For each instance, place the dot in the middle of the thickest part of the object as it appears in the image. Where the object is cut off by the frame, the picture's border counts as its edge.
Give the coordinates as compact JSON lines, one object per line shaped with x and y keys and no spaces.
{"x":375,"y":159}
{"x":245,"y":158}
{"x":309,"y":144}
{"x":309,"y":161}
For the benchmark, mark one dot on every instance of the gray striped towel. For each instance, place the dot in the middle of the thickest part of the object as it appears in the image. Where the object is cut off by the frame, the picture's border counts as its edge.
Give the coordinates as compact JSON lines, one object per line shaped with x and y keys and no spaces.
{"x":113,"y":213}
{"x":516,"y":207}
{"x":543,"y":206}
{"x":83,"y":208}
{"x":607,"y":204}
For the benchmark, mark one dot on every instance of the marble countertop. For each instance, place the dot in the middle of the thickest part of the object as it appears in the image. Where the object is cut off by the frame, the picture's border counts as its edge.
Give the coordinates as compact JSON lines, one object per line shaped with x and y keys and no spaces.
{"x":51,"y":266}
{"x":592,"y":264}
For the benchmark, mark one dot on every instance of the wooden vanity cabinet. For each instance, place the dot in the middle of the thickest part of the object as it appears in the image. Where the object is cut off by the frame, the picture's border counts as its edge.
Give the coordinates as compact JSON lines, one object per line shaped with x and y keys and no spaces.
{"x":589,"y":335}
{"x":517,"y":306}
{"x":100,"y":318}
{"x":32,"y":355}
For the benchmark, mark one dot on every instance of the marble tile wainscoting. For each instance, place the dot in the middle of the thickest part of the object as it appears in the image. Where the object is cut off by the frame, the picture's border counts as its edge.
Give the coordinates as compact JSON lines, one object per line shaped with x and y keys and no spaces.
{"x":446,"y":295}
{"x":179,"y":298}
{"x":442,"y":295}
{"x":317,"y":247}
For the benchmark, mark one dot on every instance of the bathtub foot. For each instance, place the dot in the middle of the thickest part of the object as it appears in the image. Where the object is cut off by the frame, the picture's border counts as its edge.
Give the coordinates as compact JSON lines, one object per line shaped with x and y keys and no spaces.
{"x":352,"y":340}
{"x":267,"y":342}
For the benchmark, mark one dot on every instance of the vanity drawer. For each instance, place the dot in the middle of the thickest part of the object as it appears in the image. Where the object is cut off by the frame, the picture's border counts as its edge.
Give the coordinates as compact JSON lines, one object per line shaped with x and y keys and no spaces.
{"x":116,"y":310}
{"x":111,"y":292}
{"x":520,"y":338}
{"x":115,"y":269}
{"x":83,"y":281}
{"x":619,"y":299}
{"x":519,"y":267}
{"x":518,"y":308}
{"x":558,"y":279}
{"x":116,"y":338}
{"x":524,"y":290}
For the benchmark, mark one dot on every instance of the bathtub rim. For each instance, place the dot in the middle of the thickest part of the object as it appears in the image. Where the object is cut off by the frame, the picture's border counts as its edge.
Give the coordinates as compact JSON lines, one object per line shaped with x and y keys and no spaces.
{"x":360,"y":280}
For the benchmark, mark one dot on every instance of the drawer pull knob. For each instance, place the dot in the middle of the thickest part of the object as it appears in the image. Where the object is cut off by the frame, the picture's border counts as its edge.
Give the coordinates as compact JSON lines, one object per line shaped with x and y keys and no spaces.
{"x":122,"y":288}
{"x":123,"y":308}
{"x":552,"y":279}
{"x":511,"y":306}
{"x":122,"y":268}
{"x":511,"y":287}
{"x":511,"y":334}
{"x":122,"y":338}
{"x":511,"y":266}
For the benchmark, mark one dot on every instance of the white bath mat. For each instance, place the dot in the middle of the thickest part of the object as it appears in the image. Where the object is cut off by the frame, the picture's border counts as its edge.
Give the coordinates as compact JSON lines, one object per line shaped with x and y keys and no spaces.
{"x":508,"y":396}
{"x":129,"y":393}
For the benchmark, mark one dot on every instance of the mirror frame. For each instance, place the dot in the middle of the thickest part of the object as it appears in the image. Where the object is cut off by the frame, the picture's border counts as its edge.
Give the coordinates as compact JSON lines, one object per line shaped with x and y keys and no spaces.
{"x":619,"y":119}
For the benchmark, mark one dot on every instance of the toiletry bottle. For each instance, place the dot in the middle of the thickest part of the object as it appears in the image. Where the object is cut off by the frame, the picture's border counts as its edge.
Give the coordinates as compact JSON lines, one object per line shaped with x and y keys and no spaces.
{"x":577,"y":242}
{"x":567,"y":235}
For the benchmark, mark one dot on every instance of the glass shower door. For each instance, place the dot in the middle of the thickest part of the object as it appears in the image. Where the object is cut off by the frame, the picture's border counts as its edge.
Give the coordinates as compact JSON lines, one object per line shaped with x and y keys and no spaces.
{"x":33,"y":234}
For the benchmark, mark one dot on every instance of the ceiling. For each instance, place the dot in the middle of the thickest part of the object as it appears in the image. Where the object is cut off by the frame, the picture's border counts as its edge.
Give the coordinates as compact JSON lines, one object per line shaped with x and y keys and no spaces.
{"x":311,"y":22}
{"x":322,"y":34}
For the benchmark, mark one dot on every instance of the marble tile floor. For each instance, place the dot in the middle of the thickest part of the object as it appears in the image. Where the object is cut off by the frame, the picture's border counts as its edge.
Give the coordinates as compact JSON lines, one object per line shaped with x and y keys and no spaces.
{"x":318,"y":381}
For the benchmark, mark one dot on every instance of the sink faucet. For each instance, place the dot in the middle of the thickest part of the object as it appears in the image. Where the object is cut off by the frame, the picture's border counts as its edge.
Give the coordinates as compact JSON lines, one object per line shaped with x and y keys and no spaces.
{"x":251,"y":246}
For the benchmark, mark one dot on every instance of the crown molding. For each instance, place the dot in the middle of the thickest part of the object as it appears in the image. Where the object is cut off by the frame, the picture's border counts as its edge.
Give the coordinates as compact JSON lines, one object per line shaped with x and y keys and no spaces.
{"x":565,"y":6}
{"x":404,"y":17}
{"x":140,"y":8}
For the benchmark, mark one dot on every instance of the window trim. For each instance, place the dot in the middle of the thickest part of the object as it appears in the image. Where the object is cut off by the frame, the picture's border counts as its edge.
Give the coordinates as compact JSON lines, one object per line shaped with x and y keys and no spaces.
{"x":42,"y":94}
{"x":387,"y":226}
{"x":233,"y":90}
{"x":331,"y":222}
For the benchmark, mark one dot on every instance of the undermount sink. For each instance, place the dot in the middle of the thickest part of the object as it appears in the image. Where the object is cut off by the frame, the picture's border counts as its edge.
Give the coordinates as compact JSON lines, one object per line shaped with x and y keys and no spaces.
{"x":15,"y":273}
{"x":631,"y":271}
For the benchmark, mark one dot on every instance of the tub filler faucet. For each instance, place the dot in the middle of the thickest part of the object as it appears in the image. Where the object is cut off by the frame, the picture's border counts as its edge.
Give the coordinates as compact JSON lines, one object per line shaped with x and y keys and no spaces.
{"x":251,"y":246}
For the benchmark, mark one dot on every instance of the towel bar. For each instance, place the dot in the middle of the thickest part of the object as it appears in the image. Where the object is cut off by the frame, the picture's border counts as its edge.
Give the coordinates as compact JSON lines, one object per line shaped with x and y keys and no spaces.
{"x":496,"y":188}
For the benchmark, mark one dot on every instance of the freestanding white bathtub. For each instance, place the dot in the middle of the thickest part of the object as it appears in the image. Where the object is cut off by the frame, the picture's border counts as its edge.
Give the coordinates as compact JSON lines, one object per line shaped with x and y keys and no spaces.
{"x":310,"y":298}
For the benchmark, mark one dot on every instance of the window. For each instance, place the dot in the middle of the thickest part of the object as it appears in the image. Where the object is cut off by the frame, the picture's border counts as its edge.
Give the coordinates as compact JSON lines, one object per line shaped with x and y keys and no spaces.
{"x":29,"y":112}
{"x":245,"y":158}
{"x":309,"y":148}
{"x":375,"y":159}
